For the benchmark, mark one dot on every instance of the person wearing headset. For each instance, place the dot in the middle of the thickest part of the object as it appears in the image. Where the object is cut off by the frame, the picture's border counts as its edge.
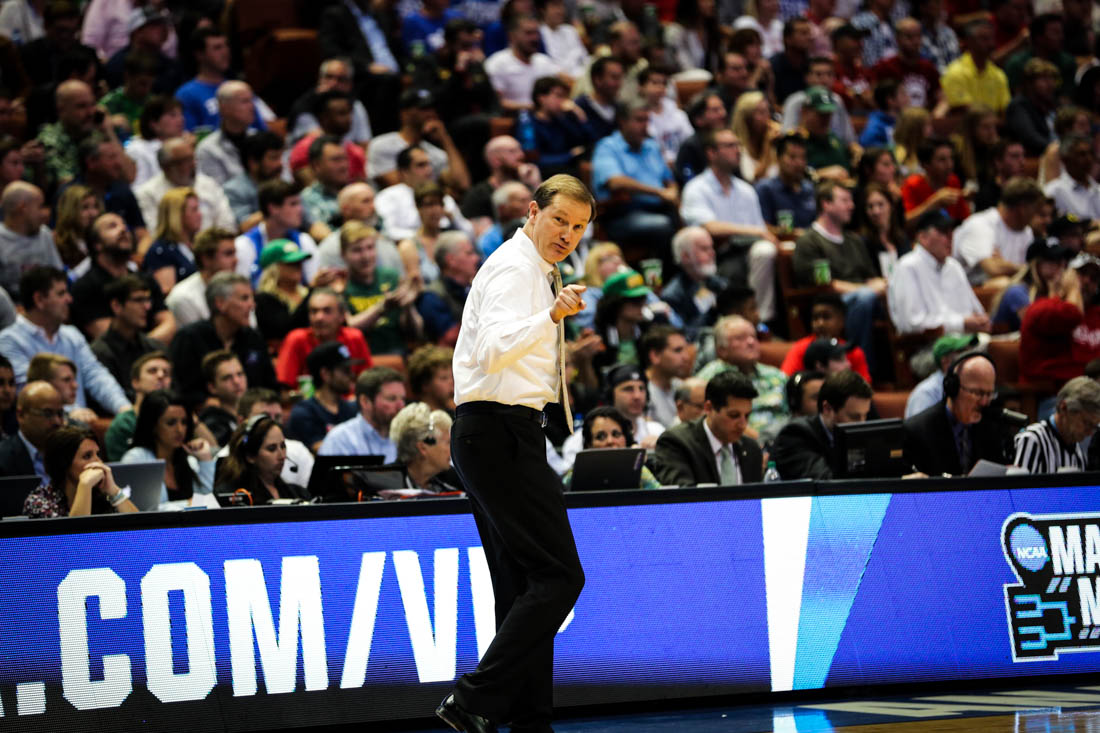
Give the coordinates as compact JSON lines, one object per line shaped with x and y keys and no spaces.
{"x":264,"y":401}
{"x":257,"y":454}
{"x":802,"y":390}
{"x":423,"y":438}
{"x":955,"y":433}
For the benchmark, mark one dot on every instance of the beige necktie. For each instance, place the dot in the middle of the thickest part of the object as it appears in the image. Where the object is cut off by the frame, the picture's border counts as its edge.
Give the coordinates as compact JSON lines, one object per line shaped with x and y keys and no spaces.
{"x":563,"y":387}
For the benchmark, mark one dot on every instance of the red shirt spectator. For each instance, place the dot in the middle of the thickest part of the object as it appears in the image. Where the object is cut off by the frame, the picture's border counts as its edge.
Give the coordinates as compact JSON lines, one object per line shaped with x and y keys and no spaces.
{"x":1057,"y":340}
{"x":792,"y":362}
{"x":919,"y":77}
{"x":916,"y":190}
{"x":357,"y":159}
{"x":291,"y":362}
{"x":853,"y":84}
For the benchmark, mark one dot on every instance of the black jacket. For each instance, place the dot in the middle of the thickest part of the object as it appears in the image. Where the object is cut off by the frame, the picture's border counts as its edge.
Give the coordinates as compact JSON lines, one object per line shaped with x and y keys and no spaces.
{"x":684,"y":458}
{"x":196,"y":340}
{"x":802,"y":450}
{"x":339,"y":35}
{"x":14,"y":461}
{"x":930,"y":443}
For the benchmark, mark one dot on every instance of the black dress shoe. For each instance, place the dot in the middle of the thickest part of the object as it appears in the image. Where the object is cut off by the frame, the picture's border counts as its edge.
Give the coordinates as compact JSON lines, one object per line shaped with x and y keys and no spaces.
{"x":461,"y":719}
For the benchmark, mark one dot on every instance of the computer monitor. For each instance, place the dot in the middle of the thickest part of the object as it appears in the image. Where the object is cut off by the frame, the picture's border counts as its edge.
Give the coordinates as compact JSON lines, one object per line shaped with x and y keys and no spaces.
{"x":145,"y":481}
{"x":333,"y":476}
{"x":871,"y":449}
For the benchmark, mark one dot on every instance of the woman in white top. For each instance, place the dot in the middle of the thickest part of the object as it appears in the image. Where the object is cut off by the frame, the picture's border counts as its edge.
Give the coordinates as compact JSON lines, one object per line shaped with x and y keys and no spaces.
{"x":694,"y":39}
{"x":755,"y":128}
{"x":763,"y":17}
{"x":563,"y":43}
{"x":165,"y":431}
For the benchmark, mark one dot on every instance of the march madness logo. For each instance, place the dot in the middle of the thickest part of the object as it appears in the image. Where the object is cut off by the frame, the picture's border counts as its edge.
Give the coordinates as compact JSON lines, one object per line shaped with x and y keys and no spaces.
{"x":1055,"y":607}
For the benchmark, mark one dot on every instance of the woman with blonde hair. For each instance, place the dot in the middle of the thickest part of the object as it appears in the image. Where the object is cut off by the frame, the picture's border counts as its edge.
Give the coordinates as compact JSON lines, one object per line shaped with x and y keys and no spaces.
{"x":179,"y":219}
{"x":280,"y":291}
{"x":914,"y":126}
{"x":755,"y":128}
{"x":423,"y":439}
{"x":77,"y":208}
{"x":975,"y":144}
{"x":604,"y":259}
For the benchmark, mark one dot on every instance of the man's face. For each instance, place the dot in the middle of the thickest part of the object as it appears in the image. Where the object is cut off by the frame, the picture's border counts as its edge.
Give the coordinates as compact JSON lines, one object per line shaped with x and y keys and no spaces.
{"x":559,"y":227}
{"x":341,"y":380}
{"x":676,"y":358}
{"x":336,"y":119}
{"x":180,"y":165}
{"x":359,"y":206}
{"x":634,"y":127}
{"x":238,"y":108}
{"x":629,"y":47}
{"x":1043,"y":87}
{"x":270,"y":409}
{"x":629,"y":398}
{"x":1079,"y":162}
{"x":420,"y":168}
{"x":1012,"y":163}
{"x":325,"y":315}
{"x":216,"y":54}
{"x":908,"y":38}
{"x":230,"y":382}
{"x":77,"y":110}
{"x":387,"y":403}
{"x":800,"y":37}
{"x":741,"y":346}
{"x":237,"y":308}
{"x":736,"y":74}
{"x":41,"y":415}
{"x":977,"y":381}
{"x":854,"y":409}
{"x":225,"y":256}
{"x":728,"y":422}
{"x":361,"y":257}
{"x":135,"y":311}
{"x":839,"y":210}
{"x":792,"y":163}
{"x":463,"y":261}
{"x":271,"y":165}
{"x":506,"y":156}
{"x":827,"y":322}
{"x":609,"y":83}
{"x":811,"y":388}
{"x":55,"y":303}
{"x":816,"y":121}
{"x":727,"y":152}
{"x":33,"y":213}
{"x":333,"y":169}
{"x":289,"y":213}
{"x":980,"y":42}
{"x":699,"y":260}
{"x":441,"y":387}
{"x":63,"y":32}
{"x":936,"y":242}
{"x":821,"y":75}
{"x":7,"y":388}
{"x":525,"y":37}
{"x":154,"y":374}
{"x":63,"y":379}
{"x":336,"y":75}
{"x":1076,"y":425}
{"x":693,"y":407}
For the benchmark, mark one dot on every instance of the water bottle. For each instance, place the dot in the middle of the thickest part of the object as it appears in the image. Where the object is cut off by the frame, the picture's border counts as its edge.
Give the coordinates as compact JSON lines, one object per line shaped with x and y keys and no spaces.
{"x":771,"y":473}
{"x":525,"y":130}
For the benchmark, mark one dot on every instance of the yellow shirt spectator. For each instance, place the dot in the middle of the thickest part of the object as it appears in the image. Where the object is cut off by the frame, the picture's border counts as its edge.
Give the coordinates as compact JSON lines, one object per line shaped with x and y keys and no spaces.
{"x":964,"y":85}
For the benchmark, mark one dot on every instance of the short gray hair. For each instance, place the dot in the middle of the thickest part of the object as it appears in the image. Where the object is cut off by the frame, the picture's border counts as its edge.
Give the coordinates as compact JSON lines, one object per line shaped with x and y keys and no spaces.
{"x":16,"y":194}
{"x":414,"y":423}
{"x":221,"y":287}
{"x":448,"y":242}
{"x":229,"y":88}
{"x":682,"y":240}
{"x":1081,"y":394}
{"x":503,"y":192}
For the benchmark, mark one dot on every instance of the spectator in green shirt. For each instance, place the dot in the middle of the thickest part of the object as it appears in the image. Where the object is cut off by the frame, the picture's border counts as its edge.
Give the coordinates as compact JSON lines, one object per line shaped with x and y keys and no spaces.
{"x":126,"y":102}
{"x":824,"y":150}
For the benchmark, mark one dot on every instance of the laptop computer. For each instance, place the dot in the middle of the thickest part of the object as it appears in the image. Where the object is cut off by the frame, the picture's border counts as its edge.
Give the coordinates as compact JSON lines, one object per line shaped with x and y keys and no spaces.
{"x":145,"y":481}
{"x":330,"y":474}
{"x":14,"y":491}
{"x":604,"y":469}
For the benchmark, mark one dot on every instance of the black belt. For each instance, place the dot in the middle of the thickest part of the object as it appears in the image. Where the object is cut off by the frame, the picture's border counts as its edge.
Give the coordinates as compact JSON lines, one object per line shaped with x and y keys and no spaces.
{"x":496,"y":408}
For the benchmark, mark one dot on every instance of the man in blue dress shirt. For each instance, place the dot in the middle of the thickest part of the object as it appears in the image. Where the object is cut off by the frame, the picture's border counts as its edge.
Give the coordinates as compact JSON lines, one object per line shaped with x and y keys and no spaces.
{"x":380,"y":393}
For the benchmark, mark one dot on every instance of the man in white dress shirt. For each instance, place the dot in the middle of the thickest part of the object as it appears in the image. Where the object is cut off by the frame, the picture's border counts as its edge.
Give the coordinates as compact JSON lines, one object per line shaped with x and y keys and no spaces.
{"x":507,"y":366}
{"x":929,"y":288}
{"x":513,"y":70}
{"x":1075,"y":192}
{"x":993,"y":243}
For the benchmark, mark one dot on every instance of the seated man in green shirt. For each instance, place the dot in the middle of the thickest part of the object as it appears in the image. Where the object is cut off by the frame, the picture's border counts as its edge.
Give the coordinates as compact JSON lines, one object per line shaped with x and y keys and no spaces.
{"x":150,"y":372}
{"x":381,"y":304}
{"x":824,"y":150}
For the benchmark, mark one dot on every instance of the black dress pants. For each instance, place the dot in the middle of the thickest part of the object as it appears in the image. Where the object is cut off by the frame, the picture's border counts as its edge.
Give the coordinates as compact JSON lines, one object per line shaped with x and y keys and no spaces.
{"x":536,"y":573}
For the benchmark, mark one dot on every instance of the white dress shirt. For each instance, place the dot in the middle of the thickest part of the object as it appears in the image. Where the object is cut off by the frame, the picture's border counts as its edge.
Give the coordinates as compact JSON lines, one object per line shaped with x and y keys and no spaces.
{"x":924,"y":294}
{"x":976,"y":238}
{"x":716,"y":447}
{"x":507,"y":347}
{"x":705,"y":200}
{"x":396,"y":207}
{"x":1071,"y":197}
{"x":565,"y":48}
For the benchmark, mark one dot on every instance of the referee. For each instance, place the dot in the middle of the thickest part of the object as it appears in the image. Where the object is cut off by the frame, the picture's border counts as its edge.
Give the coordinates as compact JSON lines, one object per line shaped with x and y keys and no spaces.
{"x":508,"y":364}
{"x":1057,"y":443}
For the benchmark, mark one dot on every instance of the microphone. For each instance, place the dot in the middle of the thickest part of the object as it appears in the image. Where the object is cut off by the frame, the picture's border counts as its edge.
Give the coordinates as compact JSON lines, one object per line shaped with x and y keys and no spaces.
{"x":1000,"y":413}
{"x":293,"y":464}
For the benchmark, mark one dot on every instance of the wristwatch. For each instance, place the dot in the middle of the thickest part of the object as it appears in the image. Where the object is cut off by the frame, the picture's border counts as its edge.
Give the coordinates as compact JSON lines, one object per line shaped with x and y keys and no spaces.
{"x":122,"y":495}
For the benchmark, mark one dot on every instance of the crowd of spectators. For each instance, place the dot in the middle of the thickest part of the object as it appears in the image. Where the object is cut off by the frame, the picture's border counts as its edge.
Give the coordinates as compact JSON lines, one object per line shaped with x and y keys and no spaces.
{"x":790,"y":194}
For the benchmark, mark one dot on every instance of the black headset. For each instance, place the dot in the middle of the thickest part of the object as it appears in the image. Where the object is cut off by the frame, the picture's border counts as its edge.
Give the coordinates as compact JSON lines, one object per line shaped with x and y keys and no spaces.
{"x":250,"y":429}
{"x":795,"y":385}
{"x":429,"y":439}
{"x":951,"y":383}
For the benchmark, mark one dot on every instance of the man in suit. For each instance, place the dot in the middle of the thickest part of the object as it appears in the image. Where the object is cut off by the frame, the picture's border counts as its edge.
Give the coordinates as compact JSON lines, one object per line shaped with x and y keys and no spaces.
{"x":952,"y":435}
{"x":39,"y":412}
{"x":804,"y":447}
{"x":713,"y":448}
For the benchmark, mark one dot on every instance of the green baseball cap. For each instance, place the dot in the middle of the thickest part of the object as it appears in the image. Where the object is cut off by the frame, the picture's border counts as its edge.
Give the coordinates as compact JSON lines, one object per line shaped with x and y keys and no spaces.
{"x":281,"y":250}
{"x":626,"y":284}
{"x":818,"y":98}
{"x":952,"y":342}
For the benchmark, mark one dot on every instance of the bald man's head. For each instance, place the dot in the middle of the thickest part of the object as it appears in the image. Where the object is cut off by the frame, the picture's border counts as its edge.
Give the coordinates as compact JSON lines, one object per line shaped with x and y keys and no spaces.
{"x":356,"y":202}
{"x":75,"y":107}
{"x":39,"y":411}
{"x":504,"y":155}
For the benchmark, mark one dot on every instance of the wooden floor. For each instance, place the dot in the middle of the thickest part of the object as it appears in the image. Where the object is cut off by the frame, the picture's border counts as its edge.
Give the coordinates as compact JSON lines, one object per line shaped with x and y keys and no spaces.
{"x":1063,"y":709}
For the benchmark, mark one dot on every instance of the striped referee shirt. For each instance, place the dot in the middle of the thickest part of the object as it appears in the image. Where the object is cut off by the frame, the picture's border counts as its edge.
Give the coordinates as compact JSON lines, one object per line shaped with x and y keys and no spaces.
{"x":1040,"y":449}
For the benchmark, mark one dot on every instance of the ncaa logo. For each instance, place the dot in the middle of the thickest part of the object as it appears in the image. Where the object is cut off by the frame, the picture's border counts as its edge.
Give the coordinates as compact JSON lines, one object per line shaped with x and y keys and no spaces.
{"x":1028,"y":547}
